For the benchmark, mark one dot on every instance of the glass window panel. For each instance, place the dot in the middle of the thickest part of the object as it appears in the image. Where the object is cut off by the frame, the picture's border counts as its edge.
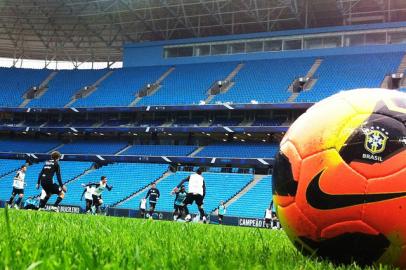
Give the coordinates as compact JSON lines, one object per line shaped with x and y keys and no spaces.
{"x":397,"y":37}
{"x":375,"y":38}
{"x":273,"y":45}
{"x":332,"y":42}
{"x":219,"y":49}
{"x":313,"y":43}
{"x":354,"y":40}
{"x":202,"y":50}
{"x":237,"y":47}
{"x":294,"y":44}
{"x":254,"y":46}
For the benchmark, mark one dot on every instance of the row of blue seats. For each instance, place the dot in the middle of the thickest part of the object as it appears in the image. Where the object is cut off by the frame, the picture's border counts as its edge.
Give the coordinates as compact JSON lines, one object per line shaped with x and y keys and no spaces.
{"x":236,"y":150}
{"x":263,"y":81}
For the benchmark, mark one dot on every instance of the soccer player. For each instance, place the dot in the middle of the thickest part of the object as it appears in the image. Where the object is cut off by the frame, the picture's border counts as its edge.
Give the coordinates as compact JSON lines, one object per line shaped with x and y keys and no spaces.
{"x":97,"y":193}
{"x":143,"y":207}
{"x":88,"y":193}
{"x":153,"y":195}
{"x":31,"y":204}
{"x":179,"y":202}
{"x":221,"y":212}
{"x":268,"y":216}
{"x":18,"y":187}
{"x":45,"y":179}
{"x":196,"y":193}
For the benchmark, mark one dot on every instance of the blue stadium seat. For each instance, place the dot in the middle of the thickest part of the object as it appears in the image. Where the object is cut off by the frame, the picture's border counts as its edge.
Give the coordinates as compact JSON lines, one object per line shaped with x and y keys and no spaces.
{"x":27,"y":145}
{"x":92,"y":147}
{"x":254,"y":202}
{"x":240,"y":150}
{"x":160,"y":150}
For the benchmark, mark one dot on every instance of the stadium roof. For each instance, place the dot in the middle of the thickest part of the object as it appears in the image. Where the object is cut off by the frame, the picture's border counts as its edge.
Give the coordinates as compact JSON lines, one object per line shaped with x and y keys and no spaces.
{"x":95,"y":30}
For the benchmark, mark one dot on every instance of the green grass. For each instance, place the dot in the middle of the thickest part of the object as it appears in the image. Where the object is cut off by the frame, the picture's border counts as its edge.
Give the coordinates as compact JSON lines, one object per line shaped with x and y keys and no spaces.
{"x":39,"y":240}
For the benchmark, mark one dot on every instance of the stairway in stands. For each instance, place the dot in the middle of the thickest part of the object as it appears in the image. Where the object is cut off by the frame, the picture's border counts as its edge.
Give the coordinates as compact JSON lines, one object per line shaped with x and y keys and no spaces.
{"x":91,"y":88}
{"x":229,"y":78}
{"x":42,"y":88}
{"x":157,"y":83}
{"x":309,"y":74}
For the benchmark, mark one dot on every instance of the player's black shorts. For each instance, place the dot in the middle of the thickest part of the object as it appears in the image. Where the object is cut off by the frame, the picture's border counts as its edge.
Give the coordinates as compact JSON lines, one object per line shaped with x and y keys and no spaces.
{"x":152,"y":204}
{"x":267,"y":221}
{"x":51,"y":188}
{"x":221,"y":216}
{"x":96,"y":199}
{"x":178,"y":208}
{"x":190,"y":198}
{"x":18,"y":191}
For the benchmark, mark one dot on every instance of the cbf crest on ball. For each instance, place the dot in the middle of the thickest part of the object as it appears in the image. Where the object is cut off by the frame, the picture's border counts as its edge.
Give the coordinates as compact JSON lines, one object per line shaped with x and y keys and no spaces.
{"x":339,"y":180}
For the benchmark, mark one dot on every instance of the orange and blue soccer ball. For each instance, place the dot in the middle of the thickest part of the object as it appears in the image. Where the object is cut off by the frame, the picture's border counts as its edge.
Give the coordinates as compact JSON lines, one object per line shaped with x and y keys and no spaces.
{"x":340,"y":178}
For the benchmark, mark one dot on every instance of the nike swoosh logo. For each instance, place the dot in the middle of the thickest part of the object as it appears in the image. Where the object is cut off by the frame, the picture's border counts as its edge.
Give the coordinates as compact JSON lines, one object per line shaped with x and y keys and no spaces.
{"x":318,"y":199}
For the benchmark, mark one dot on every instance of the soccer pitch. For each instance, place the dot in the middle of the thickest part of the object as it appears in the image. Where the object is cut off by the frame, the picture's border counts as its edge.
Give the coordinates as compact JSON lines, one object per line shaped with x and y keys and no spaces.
{"x":41,"y":240}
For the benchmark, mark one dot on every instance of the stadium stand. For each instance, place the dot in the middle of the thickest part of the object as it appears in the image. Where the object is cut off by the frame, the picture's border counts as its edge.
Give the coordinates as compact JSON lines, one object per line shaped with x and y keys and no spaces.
{"x":9,"y":165}
{"x":243,"y":150}
{"x":254,"y":202}
{"x":14,"y":82}
{"x":343,"y":72}
{"x":27,"y":145}
{"x":219,"y":186}
{"x":126,"y":178}
{"x":69,"y":170}
{"x":92,"y":147}
{"x":265,"y":81}
{"x":188,"y":84}
{"x":128,"y":80}
{"x":64,"y":85}
{"x":159,"y":150}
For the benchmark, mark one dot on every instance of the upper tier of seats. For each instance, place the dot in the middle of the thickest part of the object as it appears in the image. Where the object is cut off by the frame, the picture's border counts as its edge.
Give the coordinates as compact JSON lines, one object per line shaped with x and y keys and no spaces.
{"x":92,"y":147}
{"x":243,"y":150}
{"x":64,"y":85}
{"x":14,"y":82}
{"x":27,"y":145}
{"x":159,"y":150}
{"x":120,"y":88}
{"x":265,"y":81}
{"x":343,"y":72}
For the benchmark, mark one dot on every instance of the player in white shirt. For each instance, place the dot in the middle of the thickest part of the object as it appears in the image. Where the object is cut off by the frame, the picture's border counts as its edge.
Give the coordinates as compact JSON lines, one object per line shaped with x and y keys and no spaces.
{"x":88,"y":193}
{"x":18,"y":187}
{"x":143,"y":207}
{"x":196,"y":193}
{"x":97,"y":193}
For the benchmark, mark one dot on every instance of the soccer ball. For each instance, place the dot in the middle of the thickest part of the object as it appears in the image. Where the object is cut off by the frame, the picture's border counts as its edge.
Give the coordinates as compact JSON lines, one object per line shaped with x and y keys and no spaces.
{"x":339,"y":182}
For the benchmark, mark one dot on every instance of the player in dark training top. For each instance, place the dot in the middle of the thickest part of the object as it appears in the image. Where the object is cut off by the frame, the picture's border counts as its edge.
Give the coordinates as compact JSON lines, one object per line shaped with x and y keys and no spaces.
{"x":45,"y":179}
{"x":153,"y":195}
